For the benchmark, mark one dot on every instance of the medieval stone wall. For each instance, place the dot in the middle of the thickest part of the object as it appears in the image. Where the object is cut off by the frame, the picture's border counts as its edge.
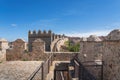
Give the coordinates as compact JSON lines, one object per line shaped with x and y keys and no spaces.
{"x":64,"y":56}
{"x":38,"y":53}
{"x":18,"y":52}
{"x":111,"y":58}
{"x":38,"y":46}
{"x":108,"y":51}
{"x":2,"y":56}
{"x":45,"y":36}
{"x":3,"y":47}
{"x":91,"y":50}
{"x":60,"y":43}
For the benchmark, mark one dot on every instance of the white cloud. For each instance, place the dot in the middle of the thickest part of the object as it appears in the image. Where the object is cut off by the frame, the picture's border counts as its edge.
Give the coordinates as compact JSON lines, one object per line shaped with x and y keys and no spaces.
{"x":98,"y":33}
{"x":14,"y":25}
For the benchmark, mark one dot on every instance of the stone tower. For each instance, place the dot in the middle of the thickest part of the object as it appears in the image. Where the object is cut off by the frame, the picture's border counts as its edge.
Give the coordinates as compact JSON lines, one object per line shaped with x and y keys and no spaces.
{"x":45,"y":36}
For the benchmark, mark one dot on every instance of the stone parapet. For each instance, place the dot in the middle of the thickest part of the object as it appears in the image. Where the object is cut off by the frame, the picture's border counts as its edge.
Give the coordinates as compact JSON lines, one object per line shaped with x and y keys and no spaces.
{"x":34,"y":34}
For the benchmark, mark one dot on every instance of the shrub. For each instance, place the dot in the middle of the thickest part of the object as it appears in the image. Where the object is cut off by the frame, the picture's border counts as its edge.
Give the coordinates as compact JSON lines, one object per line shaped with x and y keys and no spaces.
{"x":72,"y":48}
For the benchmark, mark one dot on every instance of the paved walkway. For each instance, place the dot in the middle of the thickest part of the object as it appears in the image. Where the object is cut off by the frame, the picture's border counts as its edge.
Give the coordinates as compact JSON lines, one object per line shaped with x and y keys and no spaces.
{"x":50,"y":76}
{"x":17,"y":70}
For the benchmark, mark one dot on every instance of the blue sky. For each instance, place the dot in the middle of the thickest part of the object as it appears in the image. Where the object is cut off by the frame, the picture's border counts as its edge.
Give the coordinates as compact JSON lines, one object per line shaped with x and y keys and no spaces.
{"x":70,"y":17}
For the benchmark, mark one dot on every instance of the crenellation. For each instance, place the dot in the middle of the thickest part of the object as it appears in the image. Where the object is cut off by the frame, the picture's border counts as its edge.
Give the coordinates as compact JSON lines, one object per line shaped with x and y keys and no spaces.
{"x":29,"y":32}
{"x":49,"y":32}
{"x":63,"y":36}
{"x":53,"y":36}
{"x":56,"y":36}
{"x":59,"y":36}
{"x":34,"y":32}
{"x":39,"y":32}
{"x":46,"y":36}
{"x":44,"y":32}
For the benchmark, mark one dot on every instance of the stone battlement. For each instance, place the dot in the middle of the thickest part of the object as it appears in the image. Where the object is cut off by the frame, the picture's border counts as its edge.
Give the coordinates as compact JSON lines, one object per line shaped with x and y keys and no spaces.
{"x":40,"y":33}
{"x":44,"y":33}
{"x":47,"y":36}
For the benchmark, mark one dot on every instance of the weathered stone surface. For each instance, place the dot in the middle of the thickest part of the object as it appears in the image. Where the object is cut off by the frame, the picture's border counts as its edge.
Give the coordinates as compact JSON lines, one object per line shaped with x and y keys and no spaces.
{"x":3,"y":44}
{"x":111,"y":58}
{"x":64,"y":56}
{"x":18,"y":51}
{"x":17,"y":70}
{"x":19,"y":45}
{"x":60,"y":43}
{"x":2,"y":56}
{"x":114,"y":35}
{"x":93,"y":38}
{"x":83,"y":39}
{"x":3,"y":47}
{"x":45,"y":36}
{"x":108,"y":51}
{"x":38,"y":46}
{"x":90,"y":50}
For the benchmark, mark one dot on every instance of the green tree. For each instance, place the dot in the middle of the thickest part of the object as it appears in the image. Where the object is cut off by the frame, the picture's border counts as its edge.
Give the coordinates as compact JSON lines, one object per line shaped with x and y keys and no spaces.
{"x":72,"y":48}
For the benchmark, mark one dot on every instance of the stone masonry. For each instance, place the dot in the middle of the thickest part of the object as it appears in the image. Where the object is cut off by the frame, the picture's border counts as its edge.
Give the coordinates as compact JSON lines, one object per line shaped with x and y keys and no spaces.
{"x":111,"y":58}
{"x":107,"y":51}
{"x":91,"y":51}
{"x":17,"y":50}
{"x":47,"y":37}
{"x":3,"y":47}
{"x":38,"y":46}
